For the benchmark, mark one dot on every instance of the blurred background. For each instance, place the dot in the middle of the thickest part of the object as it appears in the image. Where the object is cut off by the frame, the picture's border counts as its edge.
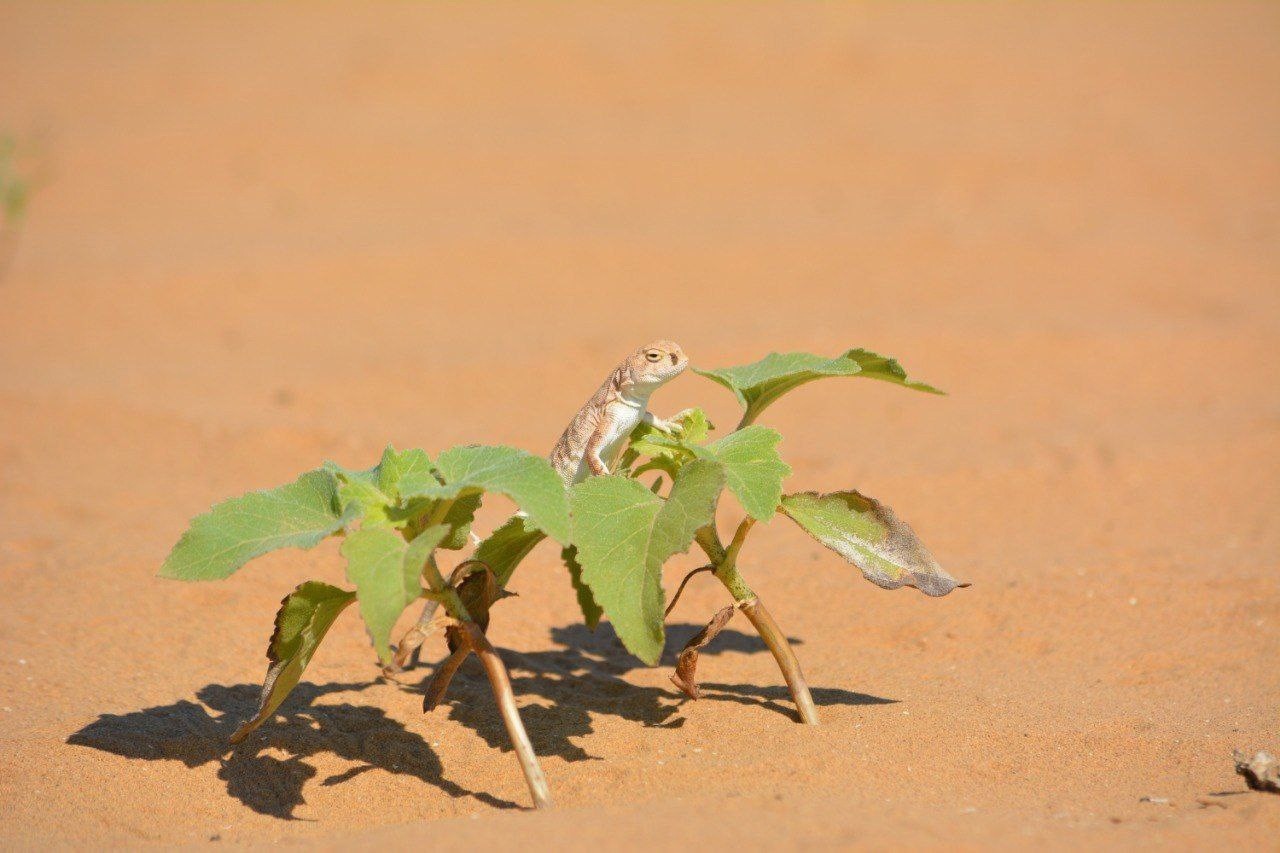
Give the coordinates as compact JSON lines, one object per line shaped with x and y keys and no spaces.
{"x":243,"y":238}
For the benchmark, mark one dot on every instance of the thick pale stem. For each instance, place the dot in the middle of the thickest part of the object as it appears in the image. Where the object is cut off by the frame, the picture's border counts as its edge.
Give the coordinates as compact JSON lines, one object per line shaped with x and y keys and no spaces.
{"x":777,"y":643}
{"x":499,"y":681}
{"x":501,"y":684}
{"x":750,"y":604}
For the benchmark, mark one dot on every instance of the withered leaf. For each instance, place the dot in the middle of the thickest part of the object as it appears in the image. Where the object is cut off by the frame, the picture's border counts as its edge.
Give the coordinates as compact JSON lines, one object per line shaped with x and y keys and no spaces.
{"x":686,"y":674}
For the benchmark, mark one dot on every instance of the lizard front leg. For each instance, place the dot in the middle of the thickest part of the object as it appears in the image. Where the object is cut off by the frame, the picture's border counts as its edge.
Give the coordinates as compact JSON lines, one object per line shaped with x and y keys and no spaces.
{"x":664,"y":426}
{"x":595,"y":444}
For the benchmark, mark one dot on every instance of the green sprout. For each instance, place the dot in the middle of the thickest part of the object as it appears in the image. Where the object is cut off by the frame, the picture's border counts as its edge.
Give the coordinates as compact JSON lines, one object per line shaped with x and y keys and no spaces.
{"x":15,"y":190}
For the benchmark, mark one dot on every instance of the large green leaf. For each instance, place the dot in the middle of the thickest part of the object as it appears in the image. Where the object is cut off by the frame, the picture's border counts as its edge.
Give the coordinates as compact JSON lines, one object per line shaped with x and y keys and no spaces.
{"x":760,"y":383}
{"x":867,"y":533}
{"x":505,"y":547}
{"x":753,"y":468}
{"x":305,"y":616}
{"x":387,"y":574}
{"x":528,"y":480}
{"x":624,"y":534}
{"x":297,"y":515}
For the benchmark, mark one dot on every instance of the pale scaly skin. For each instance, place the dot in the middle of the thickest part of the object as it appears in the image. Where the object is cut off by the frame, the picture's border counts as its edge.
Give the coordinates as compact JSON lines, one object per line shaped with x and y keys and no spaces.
{"x":591,"y":442}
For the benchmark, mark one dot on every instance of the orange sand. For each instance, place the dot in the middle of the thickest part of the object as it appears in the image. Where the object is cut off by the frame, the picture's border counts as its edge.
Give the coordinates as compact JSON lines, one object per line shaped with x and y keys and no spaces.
{"x":271,"y":235}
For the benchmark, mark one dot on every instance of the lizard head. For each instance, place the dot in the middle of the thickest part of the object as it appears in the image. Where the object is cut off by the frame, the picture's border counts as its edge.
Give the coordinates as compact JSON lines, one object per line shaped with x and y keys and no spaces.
{"x":656,"y":363}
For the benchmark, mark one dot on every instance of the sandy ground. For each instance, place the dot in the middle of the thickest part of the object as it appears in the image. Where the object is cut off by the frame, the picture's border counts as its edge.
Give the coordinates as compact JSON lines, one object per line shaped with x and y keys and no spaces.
{"x":271,"y":235}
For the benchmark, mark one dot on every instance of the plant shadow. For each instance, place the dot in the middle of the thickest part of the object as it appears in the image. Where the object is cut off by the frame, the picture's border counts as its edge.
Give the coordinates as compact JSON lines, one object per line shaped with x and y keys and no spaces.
{"x":186,"y":731}
{"x":568,"y":685}
{"x":584,"y":677}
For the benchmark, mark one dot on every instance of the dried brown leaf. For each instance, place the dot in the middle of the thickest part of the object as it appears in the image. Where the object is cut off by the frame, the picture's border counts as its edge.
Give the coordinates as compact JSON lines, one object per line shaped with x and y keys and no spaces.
{"x":438,"y":684}
{"x":686,"y":673}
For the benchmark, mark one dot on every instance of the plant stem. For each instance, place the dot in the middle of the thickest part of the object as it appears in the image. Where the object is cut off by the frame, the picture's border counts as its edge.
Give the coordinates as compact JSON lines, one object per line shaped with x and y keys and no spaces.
{"x":750,"y":604}
{"x":727,"y":563}
{"x":498,"y":681}
{"x":502,"y":693}
{"x":734,"y":582}
{"x":777,"y":643}
{"x":443,"y":592}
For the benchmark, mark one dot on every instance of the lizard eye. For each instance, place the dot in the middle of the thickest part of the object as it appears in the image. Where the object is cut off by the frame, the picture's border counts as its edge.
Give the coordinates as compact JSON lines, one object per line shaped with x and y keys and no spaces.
{"x":653,"y":355}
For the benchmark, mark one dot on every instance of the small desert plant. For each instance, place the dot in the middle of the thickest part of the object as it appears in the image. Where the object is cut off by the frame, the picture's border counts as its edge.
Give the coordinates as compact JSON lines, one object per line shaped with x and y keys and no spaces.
{"x":616,"y":534}
{"x":15,"y":195}
{"x":15,"y":190}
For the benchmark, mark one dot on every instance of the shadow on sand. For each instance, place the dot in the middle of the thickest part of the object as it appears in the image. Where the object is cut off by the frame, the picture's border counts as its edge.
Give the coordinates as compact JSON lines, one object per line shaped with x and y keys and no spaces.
{"x":583,"y":678}
{"x":569,"y":685}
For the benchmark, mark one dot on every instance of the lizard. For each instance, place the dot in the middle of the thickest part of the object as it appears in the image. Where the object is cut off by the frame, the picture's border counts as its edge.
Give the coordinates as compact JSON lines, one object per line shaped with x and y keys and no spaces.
{"x":591,"y":442}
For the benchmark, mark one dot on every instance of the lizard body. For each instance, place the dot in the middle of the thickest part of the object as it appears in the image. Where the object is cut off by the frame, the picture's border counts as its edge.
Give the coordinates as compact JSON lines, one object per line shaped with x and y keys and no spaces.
{"x":591,"y":442}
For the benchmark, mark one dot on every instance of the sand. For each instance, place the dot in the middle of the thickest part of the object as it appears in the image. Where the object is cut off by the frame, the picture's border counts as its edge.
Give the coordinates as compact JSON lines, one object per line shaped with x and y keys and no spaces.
{"x":269,"y":235}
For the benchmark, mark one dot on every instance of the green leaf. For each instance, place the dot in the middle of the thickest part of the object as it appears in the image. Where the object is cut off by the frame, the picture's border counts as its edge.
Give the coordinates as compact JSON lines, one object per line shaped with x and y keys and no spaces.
{"x":624,"y":534}
{"x":528,"y":480}
{"x":396,"y":465}
{"x":375,"y":491}
{"x":753,"y":469}
{"x":372,"y":506}
{"x":458,"y":519}
{"x":503,"y":550}
{"x":695,"y":426}
{"x":694,"y":429}
{"x":760,"y":383}
{"x":377,"y":495}
{"x":591,"y":611}
{"x":867,"y":533}
{"x":305,"y":616}
{"x":386,"y":572}
{"x":297,"y":515}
